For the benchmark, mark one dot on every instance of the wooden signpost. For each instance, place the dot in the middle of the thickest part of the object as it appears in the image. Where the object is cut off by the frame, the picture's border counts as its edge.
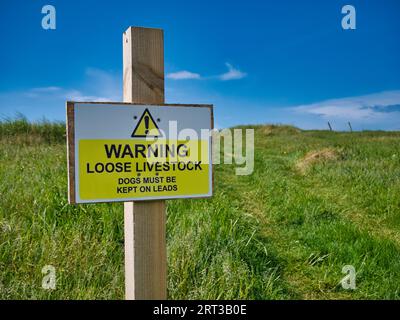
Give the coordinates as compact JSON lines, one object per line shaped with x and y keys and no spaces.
{"x":125,"y":152}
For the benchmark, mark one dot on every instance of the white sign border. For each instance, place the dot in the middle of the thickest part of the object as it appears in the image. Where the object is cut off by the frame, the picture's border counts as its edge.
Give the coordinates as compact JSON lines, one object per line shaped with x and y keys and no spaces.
{"x":73,"y":197}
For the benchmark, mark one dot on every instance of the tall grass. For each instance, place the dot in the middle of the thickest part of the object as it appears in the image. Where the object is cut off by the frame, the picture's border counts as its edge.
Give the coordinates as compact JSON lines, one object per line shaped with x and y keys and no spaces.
{"x":280,"y":233}
{"x":19,"y":128}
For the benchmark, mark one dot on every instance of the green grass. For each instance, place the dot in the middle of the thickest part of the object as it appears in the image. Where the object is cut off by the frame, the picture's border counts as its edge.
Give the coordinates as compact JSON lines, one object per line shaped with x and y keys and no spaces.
{"x":280,"y":233}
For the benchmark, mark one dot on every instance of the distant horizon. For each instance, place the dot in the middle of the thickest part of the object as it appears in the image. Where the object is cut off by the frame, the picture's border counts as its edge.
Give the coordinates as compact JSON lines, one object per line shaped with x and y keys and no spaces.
{"x":42,"y":120}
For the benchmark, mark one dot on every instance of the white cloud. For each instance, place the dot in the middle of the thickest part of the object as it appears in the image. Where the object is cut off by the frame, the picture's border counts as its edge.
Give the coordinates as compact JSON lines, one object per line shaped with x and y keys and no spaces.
{"x":49,"y":101}
{"x":36,"y":92}
{"x":367,"y":107}
{"x":76,"y":95}
{"x":101,"y":86}
{"x":232,"y":74}
{"x":229,"y":110}
{"x":183,"y":75}
{"x":62,"y":93}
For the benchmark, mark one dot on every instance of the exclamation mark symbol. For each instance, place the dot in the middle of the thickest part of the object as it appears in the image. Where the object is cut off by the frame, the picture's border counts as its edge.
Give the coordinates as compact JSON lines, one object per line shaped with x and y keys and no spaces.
{"x":146,"y":124}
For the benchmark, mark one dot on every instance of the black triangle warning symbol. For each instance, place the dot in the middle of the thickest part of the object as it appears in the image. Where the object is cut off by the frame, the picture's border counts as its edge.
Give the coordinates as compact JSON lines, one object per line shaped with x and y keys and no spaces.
{"x":146,"y":127}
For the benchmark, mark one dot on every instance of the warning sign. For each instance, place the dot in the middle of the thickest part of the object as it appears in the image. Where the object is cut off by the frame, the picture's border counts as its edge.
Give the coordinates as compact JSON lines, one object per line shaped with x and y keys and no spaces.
{"x":146,"y":126}
{"x":122,"y":152}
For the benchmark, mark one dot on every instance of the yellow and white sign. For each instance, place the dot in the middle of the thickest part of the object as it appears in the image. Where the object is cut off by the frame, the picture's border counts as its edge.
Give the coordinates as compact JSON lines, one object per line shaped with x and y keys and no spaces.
{"x":123,"y":152}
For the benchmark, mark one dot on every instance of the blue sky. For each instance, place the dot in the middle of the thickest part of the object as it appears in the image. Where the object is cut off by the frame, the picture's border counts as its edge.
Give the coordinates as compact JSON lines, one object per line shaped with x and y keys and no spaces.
{"x":256,"y":61}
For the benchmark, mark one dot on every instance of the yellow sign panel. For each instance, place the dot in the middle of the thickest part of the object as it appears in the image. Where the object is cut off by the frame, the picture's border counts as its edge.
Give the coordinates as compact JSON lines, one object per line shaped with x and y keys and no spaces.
{"x":137,"y":169}
{"x":123,"y":152}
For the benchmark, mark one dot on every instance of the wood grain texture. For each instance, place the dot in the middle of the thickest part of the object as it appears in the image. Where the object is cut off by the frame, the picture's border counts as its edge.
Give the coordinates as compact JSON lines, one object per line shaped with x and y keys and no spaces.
{"x":71,"y":151}
{"x":144,"y":222}
{"x":143,"y":55}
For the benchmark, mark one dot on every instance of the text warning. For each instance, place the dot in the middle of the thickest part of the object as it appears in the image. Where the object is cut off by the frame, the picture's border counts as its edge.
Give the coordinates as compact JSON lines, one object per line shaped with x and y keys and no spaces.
{"x":121,"y":152}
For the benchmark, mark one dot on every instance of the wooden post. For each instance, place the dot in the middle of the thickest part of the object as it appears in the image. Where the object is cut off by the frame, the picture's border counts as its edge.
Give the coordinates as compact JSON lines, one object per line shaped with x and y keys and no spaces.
{"x":144,"y":221}
{"x":351,"y":128}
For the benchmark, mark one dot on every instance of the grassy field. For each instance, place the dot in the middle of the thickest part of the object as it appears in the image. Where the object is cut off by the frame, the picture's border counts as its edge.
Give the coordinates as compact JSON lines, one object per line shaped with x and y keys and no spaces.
{"x":317,"y":201}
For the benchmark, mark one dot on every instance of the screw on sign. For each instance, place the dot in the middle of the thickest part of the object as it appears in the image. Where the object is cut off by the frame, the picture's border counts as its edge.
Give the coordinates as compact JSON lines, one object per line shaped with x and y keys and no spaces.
{"x":112,"y":158}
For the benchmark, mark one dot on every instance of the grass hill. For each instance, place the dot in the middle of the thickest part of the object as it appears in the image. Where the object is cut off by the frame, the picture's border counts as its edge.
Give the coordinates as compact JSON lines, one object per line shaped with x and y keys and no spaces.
{"x":317,"y":201}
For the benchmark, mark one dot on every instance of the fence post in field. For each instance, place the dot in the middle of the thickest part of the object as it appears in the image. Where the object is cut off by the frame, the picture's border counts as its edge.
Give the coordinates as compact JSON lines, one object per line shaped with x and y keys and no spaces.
{"x":144,"y":221}
{"x":351,"y":128}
